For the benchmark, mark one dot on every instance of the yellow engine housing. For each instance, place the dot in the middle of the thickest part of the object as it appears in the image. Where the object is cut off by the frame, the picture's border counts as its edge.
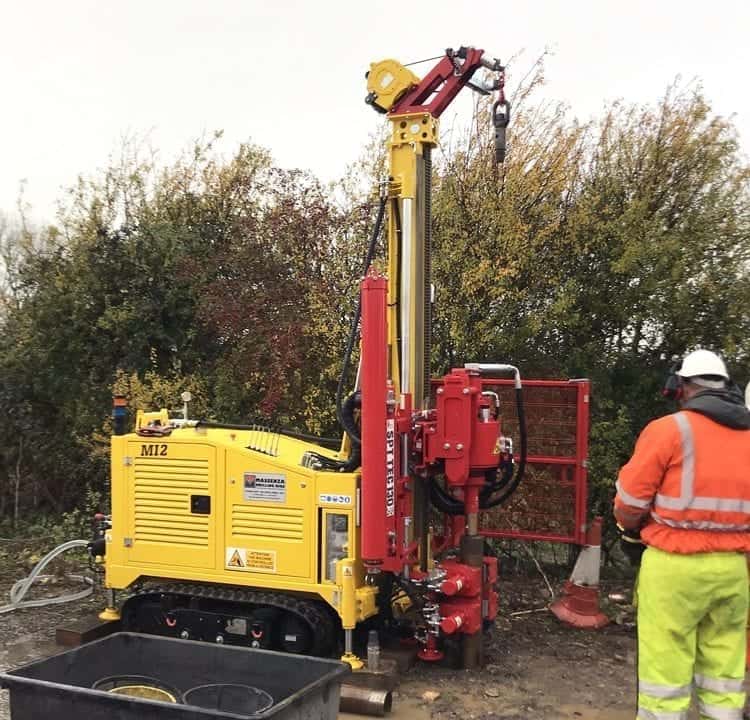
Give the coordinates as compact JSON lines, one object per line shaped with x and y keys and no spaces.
{"x":234,"y":507}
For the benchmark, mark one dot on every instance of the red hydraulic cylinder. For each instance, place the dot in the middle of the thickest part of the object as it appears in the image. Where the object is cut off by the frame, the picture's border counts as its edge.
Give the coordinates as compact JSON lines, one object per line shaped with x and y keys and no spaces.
{"x":461,"y":615}
{"x":378,"y":429}
{"x":460,"y":579}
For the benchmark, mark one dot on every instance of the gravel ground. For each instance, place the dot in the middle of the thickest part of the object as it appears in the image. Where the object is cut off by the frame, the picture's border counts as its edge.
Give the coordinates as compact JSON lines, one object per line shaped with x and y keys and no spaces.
{"x":535,"y":666}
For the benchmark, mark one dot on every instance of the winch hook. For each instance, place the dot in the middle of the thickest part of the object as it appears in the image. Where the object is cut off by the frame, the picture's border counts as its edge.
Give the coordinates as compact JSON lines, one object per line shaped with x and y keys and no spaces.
{"x":500,"y":119}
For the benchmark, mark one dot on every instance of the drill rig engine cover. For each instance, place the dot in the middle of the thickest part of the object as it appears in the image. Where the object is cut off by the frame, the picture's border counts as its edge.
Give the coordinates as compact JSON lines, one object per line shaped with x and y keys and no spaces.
{"x":242,"y":535}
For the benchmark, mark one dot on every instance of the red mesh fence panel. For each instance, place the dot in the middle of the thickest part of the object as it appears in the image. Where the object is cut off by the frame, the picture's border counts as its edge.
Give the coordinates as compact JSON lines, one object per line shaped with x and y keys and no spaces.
{"x":550,"y":503}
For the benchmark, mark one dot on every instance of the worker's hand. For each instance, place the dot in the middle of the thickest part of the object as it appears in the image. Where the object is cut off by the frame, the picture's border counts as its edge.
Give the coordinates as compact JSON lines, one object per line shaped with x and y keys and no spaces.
{"x":631,"y":544}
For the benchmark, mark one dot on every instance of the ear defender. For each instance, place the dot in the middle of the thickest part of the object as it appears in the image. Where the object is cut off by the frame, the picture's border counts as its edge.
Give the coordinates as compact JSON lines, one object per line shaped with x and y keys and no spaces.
{"x":672,"y":389}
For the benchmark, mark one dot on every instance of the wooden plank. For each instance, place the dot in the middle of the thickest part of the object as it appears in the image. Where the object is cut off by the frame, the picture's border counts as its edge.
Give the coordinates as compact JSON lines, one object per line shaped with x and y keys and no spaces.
{"x":386,"y":678}
{"x":84,"y":630}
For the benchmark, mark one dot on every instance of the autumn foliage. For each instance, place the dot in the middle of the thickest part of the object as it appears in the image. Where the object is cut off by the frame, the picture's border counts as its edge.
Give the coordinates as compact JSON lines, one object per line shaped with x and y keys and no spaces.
{"x":601,"y":250}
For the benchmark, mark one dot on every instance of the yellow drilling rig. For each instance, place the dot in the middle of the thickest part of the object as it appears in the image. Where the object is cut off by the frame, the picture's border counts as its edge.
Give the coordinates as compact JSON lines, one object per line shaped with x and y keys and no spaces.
{"x":242,"y":535}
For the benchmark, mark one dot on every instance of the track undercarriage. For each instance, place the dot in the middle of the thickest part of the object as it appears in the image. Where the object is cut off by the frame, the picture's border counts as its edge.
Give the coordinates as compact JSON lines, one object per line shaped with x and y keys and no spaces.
{"x":235,"y":616}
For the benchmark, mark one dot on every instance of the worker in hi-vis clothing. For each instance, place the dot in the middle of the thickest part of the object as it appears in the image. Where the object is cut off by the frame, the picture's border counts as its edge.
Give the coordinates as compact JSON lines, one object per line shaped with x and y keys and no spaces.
{"x":684,"y":496}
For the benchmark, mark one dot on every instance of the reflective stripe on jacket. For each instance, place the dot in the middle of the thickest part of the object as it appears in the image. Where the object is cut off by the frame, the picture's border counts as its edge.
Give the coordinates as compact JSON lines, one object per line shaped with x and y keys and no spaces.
{"x":691,"y":476}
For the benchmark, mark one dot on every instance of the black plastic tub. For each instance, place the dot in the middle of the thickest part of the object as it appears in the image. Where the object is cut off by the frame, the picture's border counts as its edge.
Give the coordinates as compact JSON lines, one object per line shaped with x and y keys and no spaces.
{"x":60,"y":687}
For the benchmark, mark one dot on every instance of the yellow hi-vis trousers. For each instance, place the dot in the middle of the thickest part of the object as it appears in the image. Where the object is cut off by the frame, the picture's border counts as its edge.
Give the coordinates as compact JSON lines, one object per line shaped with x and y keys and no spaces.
{"x":692,"y":613}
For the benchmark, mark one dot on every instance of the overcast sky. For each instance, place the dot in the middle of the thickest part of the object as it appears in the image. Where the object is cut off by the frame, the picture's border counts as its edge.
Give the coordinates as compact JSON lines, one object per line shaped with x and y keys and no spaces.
{"x":79,"y":75}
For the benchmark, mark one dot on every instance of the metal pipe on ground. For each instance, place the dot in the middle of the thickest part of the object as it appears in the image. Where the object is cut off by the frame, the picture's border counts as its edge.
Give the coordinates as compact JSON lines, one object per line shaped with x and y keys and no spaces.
{"x":365,"y":701}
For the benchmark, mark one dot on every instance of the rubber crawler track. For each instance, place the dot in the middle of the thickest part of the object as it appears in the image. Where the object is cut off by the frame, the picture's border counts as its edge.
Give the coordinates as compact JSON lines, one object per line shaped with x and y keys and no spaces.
{"x":312,"y":613}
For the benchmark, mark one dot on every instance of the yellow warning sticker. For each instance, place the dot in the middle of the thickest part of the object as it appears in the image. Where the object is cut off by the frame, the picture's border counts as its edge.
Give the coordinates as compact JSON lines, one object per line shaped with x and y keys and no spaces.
{"x":235,"y":558}
{"x":261,"y":560}
{"x":251,"y":560}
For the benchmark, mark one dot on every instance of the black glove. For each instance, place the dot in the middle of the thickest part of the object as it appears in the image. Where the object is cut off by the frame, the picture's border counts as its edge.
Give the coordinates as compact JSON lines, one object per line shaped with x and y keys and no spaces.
{"x":631,"y":544}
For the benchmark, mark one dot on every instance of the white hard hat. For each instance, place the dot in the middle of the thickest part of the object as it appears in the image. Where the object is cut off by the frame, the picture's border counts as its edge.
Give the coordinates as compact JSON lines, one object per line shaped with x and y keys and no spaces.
{"x":747,"y":395}
{"x":703,"y":362}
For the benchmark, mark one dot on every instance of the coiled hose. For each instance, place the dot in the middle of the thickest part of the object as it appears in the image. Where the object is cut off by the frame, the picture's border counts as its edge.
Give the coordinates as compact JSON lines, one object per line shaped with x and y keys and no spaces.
{"x":22,"y":587}
{"x":496,"y":492}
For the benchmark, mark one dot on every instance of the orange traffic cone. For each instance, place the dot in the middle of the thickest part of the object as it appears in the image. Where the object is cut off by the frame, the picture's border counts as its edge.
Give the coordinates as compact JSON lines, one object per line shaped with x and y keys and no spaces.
{"x":579,"y":604}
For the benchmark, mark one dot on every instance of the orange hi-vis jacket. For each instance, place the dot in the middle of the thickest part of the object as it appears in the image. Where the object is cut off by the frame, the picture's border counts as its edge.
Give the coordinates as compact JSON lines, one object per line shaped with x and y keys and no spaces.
{"x":690,"y":477}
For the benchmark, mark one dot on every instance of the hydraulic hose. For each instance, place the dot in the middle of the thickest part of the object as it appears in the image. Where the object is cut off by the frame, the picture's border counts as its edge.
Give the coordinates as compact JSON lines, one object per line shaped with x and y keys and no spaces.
{"x":348,"y":422}
{"x":493,"y":482}
{"x":352,"y":339}
{"x":443,"y":501}
{"x":326,"y":463}
{"x":22,"y":587}
{"x":506,"y":486}
{"x":491,"y":502}
{"x":352,"y":403}
{"x":325,"y":441}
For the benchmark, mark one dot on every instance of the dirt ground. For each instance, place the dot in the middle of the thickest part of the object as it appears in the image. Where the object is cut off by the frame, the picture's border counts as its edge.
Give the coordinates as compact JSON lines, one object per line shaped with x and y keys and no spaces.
{"x":536,"y":667}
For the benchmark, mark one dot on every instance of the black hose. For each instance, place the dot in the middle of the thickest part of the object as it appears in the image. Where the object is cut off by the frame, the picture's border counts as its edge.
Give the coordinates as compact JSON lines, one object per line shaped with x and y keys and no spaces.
{"x":348,"y":421}
{"x":352,"y":431}
{"x":445,"y":502}
{"x":324,"y":441}
{"x":495,"y":481}
{"x":510,"y":489}
{"x":354,"y":461}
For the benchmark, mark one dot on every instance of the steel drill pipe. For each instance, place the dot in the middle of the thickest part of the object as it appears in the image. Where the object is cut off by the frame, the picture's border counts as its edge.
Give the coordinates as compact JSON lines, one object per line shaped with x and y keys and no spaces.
{"x":365,"y":701}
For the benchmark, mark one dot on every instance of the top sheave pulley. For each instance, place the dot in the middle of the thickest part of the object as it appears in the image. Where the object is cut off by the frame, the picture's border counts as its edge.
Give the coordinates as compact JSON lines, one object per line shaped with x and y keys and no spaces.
{"x":396,"y":90}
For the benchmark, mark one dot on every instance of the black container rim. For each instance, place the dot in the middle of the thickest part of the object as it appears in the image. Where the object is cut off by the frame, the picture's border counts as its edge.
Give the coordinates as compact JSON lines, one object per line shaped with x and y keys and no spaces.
{"x":204,"y":686}
{"x":131,"y":679}
{"x":9,"y":679}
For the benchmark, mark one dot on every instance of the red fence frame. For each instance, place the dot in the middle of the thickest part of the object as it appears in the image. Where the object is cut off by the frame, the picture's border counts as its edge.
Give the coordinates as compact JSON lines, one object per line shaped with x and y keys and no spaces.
{"x":578,"y":464}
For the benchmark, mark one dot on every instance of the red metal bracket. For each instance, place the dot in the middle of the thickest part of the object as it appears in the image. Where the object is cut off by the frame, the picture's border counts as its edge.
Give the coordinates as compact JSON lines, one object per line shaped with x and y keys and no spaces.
{"x":440,"y":86}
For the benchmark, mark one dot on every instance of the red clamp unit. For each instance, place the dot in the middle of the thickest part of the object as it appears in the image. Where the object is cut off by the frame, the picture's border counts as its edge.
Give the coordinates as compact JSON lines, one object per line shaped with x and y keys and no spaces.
{"x":471,"y":596}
